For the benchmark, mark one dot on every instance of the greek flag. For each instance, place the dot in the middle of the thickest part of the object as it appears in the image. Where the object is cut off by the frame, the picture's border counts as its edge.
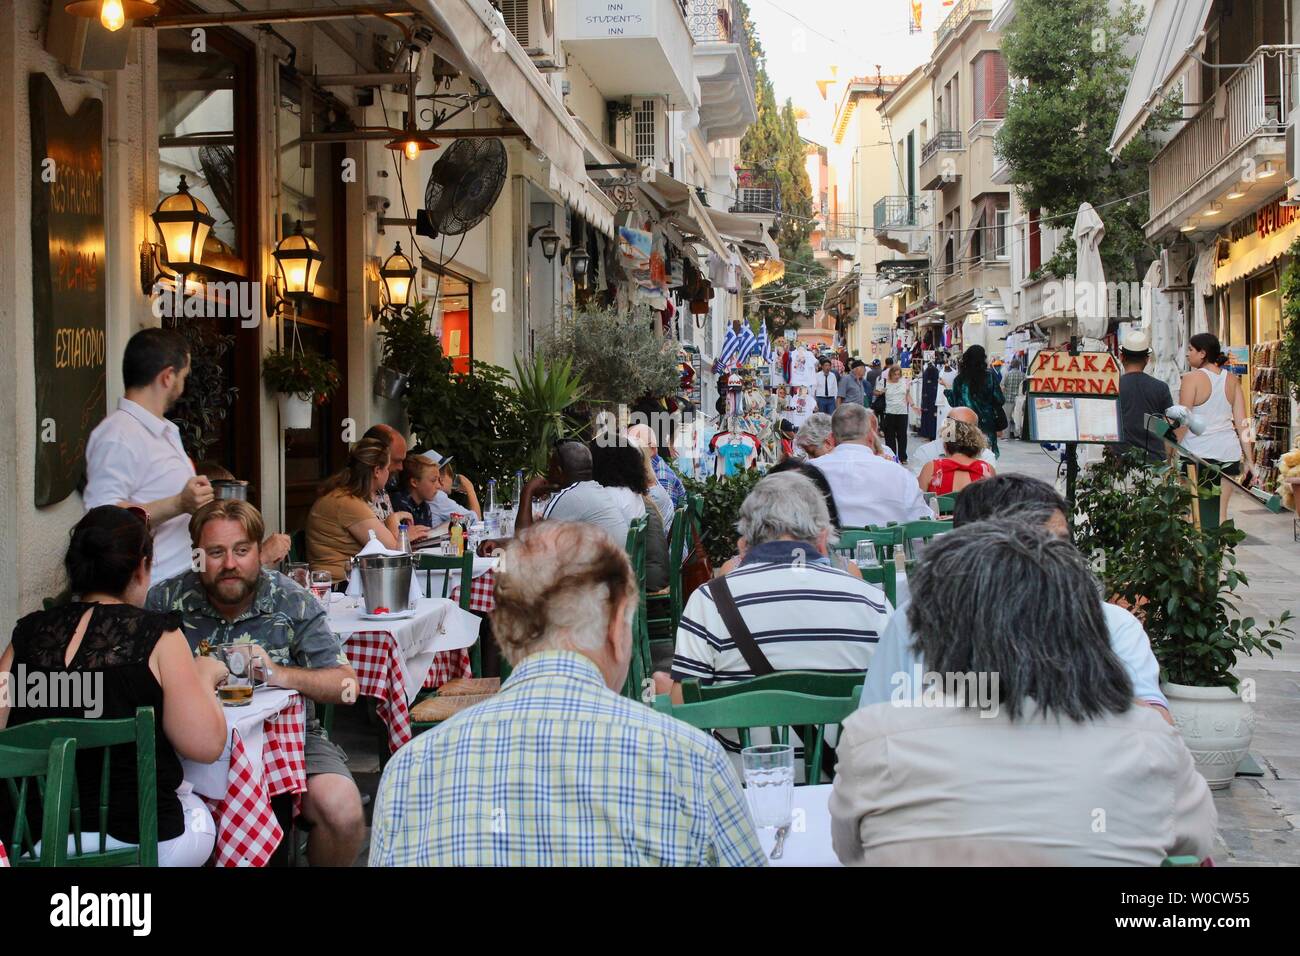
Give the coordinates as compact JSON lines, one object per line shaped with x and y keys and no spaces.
{"x":763,"y":347}
{"x":737,"y":347}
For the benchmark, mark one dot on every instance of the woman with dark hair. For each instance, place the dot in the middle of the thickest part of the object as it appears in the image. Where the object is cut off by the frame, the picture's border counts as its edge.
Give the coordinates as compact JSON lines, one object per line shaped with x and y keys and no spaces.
{"x":620,"y":468}
{"x":977,"y":387}
{"x":342,"y":519}
{"x":130,"y":658}
{"x":1214,"y":393}
{"x":1033,"y":746}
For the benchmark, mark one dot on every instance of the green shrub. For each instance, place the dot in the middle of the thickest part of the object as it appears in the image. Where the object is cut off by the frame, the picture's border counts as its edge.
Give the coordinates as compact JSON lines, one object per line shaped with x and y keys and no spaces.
{"x":722,"y":500}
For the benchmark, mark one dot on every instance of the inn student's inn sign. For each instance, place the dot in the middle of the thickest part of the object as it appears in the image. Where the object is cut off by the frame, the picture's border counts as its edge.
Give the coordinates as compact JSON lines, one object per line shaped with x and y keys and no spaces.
{"x":68,"y":300}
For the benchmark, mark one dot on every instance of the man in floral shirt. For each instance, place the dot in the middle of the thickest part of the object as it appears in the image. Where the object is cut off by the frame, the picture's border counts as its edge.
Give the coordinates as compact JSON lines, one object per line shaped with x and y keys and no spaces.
{"x":232,"y":599}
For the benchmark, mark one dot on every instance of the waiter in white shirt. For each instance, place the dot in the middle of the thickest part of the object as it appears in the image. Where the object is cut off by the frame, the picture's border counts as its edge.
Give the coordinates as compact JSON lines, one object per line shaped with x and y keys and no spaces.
{"x":135,"y":457}
{"x":868,"y":490}
{"x":827,"y":388}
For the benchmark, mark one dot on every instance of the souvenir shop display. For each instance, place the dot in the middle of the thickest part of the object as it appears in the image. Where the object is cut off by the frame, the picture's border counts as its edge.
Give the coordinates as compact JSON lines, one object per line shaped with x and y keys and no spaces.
{"x":803,"y":367}
{"x":735,"y":449}
{"x":1271,"y":408}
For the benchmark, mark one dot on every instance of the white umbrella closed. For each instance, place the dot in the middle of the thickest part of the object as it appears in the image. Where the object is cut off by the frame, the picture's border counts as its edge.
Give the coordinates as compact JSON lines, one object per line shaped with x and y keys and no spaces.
{"x":1164,"y":324}
{"x":1090,"y":305}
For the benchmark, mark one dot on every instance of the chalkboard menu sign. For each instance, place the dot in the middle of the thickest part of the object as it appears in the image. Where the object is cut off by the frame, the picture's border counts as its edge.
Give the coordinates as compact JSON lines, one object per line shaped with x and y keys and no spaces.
{"x":68,"y":302}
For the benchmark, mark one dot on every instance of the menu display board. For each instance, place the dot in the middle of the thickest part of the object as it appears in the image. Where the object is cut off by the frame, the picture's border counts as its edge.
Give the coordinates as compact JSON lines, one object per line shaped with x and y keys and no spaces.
{"x":1074,"y":398}
{"x":68,"y":300}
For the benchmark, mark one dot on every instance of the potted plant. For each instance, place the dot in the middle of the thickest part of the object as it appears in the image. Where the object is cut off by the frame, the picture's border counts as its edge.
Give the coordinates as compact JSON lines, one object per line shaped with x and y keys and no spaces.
{"x":722,"y":498}
{"x":302,"y":378}
{"x":547,"y":393}
{"x":403,"y":339}
{"x":619,"y":358}
{"x":1182,"y":582}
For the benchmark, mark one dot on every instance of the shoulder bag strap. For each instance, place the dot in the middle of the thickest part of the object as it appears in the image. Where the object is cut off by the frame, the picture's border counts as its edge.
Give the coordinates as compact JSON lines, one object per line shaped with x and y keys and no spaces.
{"x":736,"y":627}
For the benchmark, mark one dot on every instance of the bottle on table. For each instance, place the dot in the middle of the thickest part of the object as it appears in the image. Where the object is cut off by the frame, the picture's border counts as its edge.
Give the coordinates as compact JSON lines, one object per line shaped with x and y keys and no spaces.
{"x":403,"y":538}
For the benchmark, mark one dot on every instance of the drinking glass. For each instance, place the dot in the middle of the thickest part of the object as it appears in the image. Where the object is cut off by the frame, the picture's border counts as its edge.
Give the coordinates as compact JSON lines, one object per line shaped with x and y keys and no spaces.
{"x":865,"y":556}
{"x":237,"y":691}
{"x":321,"y":585}
{"x":299,"y":573}
{"x":769,"y":783}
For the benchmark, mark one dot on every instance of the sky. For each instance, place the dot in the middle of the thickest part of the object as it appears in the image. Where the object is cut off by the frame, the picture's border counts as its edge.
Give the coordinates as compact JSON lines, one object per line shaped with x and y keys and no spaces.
{"x":804,"y":38}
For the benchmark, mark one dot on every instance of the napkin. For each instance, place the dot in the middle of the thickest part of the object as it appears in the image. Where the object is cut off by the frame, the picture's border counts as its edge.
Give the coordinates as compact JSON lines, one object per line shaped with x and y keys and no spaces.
{"x":375,"y":546}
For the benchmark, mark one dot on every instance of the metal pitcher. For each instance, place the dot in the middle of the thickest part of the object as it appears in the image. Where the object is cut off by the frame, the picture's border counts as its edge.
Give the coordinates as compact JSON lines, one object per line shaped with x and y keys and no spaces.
{"x":385,"y":580}
{"x":230,"y":488}
{"x":389,"y":383}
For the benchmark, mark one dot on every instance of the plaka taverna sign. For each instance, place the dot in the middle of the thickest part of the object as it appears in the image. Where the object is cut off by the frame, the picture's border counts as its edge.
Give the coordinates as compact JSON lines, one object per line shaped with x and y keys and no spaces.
{"x":1088,"y":373}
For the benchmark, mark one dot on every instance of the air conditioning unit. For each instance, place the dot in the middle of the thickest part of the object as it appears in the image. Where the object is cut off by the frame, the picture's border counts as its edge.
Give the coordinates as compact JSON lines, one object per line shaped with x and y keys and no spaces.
{"x":533,"y":24}
{"x":643,"y":134}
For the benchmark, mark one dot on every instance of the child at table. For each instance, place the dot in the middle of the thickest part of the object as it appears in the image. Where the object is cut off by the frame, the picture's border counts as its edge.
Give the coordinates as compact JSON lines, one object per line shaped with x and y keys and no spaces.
{"x":424,"y":492}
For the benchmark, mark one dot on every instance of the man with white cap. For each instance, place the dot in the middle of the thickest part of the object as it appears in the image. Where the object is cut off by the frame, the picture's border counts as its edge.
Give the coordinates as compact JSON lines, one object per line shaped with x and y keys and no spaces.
{"x":1140,"y":395}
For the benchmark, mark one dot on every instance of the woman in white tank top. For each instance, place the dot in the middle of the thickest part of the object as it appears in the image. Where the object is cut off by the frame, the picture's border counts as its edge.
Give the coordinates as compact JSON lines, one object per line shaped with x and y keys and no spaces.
{"x":1215,"y":395}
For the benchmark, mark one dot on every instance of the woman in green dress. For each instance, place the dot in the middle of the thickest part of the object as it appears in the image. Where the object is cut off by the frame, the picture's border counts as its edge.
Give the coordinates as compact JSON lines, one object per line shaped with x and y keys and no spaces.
{"x":977,"y":387}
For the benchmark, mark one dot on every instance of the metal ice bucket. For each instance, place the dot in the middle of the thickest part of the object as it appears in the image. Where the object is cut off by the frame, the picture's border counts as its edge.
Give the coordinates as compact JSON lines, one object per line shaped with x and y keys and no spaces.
{"x":385,"y":580}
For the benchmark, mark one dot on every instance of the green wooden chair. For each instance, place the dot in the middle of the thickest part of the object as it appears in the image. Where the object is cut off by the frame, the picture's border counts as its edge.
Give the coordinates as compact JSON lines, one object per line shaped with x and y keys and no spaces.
{"x":137,"y":731}
{"x":664,"y":611}
{"x":55,"y":773}
{"x":885,"y":539}
{"x":777,"y":709}
{"x":640,"y":665}
{"x":815,"y":683}
{"x":925,"y":529}
{"x":948,"y":504}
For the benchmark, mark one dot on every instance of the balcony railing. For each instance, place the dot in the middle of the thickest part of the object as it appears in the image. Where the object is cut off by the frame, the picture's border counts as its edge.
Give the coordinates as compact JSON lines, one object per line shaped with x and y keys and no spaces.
{"x":948,"y":139}
{"x":1251,"y":103}
{"x":712,"y":21}
{"x":894,"y":212}
{"x":958,"y":16}
{"x":758,"y":191}
{"x":840,"y":227}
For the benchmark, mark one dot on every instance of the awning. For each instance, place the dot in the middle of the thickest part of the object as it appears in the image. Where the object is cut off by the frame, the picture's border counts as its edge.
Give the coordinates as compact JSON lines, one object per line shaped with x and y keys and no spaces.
{"x":1252,"y":253}
{"x":1174,"y":27}
{"x":683,"y":210}
{"x":587,"y":198}
{"x":493,"y":56}
{"x":748,"y":232}
{"x":767,"y":272}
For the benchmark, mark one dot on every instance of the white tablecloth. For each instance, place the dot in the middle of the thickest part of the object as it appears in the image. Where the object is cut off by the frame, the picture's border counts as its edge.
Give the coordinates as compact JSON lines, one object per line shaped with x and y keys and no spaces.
{"x":210,"y":779}
{"x":809,"y":841}
{"x":437,"y":625}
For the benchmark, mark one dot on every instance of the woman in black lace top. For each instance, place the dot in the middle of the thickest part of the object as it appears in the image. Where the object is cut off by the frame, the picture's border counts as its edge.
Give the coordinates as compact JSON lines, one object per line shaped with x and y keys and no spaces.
{"x":135,"y":658}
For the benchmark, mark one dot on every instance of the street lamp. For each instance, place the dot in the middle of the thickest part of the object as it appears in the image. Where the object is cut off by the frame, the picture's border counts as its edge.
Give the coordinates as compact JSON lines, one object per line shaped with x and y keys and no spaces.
{"x":411,"y":143}
{"x":113,"y":14}
{"x":183,"y":221}
{"x":397,"y":273}
{"x":297,"y":264}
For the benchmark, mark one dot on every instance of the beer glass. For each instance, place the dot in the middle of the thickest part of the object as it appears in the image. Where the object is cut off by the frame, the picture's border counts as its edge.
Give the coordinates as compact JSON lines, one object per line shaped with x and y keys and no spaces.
{"x":237,"y":691}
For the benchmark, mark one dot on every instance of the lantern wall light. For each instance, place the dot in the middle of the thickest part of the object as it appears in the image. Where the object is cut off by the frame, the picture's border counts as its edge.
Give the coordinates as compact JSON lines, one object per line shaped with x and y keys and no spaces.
{"x":297,"y":264}
{"x":396,"y":276}
{"x":183,"y":223}
{"x":550,"y":240}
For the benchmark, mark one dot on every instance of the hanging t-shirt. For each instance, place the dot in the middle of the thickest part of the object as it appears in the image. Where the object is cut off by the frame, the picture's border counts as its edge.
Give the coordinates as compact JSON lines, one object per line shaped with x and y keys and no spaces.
{"x":776,"y":372}
{"x":803,"y":369}
{"x":800,"y":407}
{"x":736,"y":452}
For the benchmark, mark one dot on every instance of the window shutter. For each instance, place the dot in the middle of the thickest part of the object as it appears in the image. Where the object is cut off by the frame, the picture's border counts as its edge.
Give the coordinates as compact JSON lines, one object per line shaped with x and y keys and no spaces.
{"x":997,"y":86}
{"x":515,"y":13}
{"x":979,"y":84}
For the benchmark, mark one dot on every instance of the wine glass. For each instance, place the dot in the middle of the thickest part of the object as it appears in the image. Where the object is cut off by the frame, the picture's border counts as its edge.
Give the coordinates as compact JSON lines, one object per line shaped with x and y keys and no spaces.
{"x":321,"y":585}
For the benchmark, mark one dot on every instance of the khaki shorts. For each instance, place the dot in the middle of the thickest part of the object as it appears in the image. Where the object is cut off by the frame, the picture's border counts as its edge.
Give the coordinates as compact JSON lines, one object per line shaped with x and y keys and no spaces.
{"x":325,"y":756}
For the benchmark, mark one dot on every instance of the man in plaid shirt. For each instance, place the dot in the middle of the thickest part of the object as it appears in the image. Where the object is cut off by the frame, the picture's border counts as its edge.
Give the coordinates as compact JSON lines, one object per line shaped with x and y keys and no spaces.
{"x":558,"y":769}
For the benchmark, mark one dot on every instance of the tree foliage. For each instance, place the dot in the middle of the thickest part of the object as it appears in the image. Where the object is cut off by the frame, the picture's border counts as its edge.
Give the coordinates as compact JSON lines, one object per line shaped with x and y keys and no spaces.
{"x":1070,"y":72}
{"x":619,"y":359}
{"x":774,"y":143}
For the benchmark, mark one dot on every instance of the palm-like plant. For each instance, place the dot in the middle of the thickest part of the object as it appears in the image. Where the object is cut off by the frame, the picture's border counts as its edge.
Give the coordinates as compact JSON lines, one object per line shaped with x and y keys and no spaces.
{"x":546,"y":392}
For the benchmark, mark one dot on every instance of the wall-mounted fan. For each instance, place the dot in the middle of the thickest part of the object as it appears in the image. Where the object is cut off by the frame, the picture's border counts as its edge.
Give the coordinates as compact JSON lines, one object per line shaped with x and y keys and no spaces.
{"x":463,"y":186}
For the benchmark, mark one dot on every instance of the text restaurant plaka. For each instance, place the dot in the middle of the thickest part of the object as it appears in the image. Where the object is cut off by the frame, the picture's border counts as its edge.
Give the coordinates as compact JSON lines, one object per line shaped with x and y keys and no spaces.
{"x":1089,"y":373}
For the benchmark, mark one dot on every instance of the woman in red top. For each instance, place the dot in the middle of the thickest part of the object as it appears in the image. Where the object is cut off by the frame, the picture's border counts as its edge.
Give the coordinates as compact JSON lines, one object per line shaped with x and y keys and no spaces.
{"x":960,"y":464}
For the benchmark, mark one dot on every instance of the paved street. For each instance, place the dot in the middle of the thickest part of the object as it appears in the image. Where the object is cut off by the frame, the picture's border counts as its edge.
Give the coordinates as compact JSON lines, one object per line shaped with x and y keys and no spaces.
{"x":1258,"y":816}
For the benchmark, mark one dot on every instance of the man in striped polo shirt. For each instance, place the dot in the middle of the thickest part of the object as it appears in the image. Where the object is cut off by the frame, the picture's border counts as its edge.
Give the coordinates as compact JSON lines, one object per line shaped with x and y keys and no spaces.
{"x":801,"y":612}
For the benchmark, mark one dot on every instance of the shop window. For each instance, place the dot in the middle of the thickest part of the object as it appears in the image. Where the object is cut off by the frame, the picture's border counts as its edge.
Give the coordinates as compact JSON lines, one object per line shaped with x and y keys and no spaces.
{"x":451,"y":300}
{"x":1001,"y":234}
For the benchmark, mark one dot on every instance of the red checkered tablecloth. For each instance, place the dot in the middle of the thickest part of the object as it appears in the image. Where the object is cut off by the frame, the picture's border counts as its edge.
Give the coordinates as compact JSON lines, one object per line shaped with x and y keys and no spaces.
{"x":247,"y":830}
{"x":481,"y":597}
{"x":373,"y":655}
{"x":4,"y":857}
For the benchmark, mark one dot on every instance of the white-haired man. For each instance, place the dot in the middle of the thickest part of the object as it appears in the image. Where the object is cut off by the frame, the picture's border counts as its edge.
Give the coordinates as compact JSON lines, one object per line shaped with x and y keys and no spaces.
{"x":868,"y":489}
{"x":785,"y":607}
{"x":558,"y":769}
{"x":814,"y":436}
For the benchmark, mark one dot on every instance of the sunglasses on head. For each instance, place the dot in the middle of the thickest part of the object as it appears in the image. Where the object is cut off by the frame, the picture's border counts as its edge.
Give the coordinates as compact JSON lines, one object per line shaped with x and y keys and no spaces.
{"x":142,"y":515}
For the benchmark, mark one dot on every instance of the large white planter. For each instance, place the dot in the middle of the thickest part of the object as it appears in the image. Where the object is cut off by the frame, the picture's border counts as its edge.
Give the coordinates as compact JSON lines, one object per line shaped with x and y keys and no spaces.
{"x":295,"y":412}
{"x":1217,"y":726}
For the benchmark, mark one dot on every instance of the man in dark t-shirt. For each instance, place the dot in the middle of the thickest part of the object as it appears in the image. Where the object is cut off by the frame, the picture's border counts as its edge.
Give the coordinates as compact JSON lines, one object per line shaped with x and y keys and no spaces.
{"x":1140,"y":395}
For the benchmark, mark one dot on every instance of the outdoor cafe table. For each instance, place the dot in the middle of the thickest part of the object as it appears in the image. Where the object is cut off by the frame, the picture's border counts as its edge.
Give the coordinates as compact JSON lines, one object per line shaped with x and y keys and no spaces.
{"x":395,"y":659}
{"x":264,"y":758}
{"x":809,"y":841}
{"x":482,"y":597}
